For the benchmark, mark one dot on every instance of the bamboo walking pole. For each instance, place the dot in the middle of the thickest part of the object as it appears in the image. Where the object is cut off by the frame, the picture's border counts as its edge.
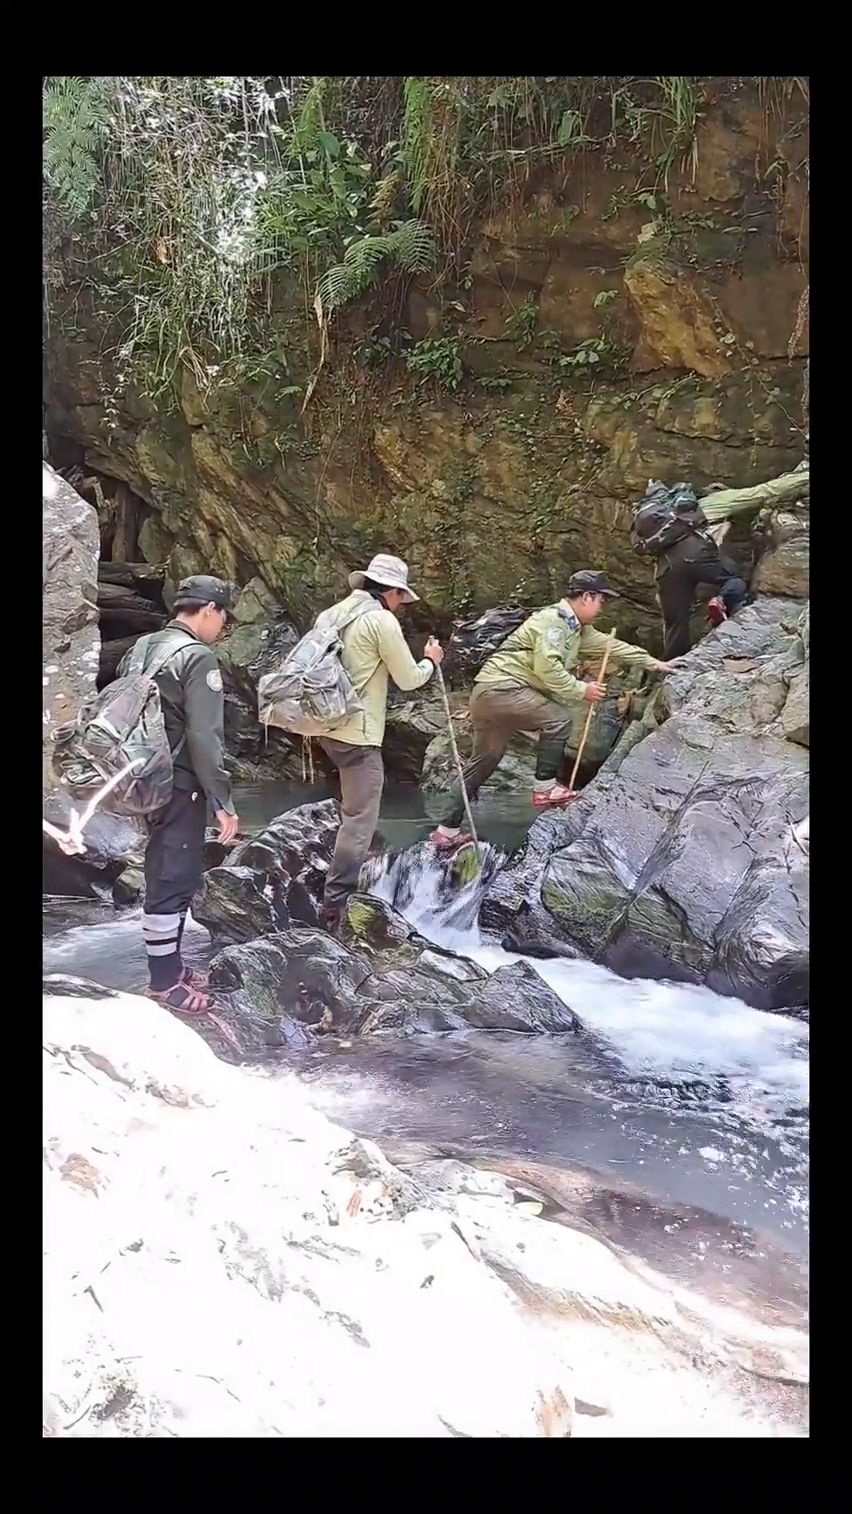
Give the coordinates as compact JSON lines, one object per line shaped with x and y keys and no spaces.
{"x":456,"y":754}
{"x":599,"y":679}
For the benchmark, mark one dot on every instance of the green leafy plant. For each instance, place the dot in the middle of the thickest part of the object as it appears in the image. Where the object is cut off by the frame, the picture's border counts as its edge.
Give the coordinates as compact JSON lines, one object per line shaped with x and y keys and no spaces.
{"x":76,"y":117}
{"x":585,"y":355}
{"x":604,"y":297}
{"x":521,"y":324}
{"x":411,"y":246}
{"x":437,"y":358}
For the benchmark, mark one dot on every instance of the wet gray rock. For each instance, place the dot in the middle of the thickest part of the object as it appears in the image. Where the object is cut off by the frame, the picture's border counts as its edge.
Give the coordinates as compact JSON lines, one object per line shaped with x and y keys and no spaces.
{"x":679,"y":861}
{"x":378,"y":975}
{"x":115,"y":848}
{"x":413,"y":723}
{"x":796,"y":714}
{"x":260,"y":637}
{"x":271,"y":878}
{"x":71,"y":647}
{"x":784,"y":565}
{"x":71,"y":642}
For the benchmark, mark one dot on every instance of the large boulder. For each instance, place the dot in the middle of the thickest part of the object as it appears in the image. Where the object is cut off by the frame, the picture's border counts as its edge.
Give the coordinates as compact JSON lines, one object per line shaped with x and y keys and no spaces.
{"x":272,"y":877}
{"x":380,"y":975}
{"x":784,"y":564}
{"x":414,"y":722}
{"x":679,"y":861}
{"x":71,"y":646}
{"x":796,"y":714}
{"x":306,"y":1286}
{"x":71,"y":643}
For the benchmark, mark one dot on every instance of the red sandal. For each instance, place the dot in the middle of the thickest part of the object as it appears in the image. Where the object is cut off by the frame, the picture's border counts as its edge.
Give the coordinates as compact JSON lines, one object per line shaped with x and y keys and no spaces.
{"x":183,"y":1000}
{"x":447,"y":842}
{"x":559,"y":794}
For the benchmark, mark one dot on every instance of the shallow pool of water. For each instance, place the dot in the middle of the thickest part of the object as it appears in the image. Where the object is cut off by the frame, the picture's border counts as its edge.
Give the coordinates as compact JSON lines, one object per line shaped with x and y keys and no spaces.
{"x":708,"y":1103}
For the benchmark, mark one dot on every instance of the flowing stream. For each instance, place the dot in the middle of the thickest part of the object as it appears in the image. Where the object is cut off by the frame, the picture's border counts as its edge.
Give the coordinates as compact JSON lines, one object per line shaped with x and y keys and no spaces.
{"x":704,"y":1101}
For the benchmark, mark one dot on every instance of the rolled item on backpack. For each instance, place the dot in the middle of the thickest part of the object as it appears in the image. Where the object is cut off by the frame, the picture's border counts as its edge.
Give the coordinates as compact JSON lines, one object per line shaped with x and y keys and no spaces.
{"x":722,"y":504}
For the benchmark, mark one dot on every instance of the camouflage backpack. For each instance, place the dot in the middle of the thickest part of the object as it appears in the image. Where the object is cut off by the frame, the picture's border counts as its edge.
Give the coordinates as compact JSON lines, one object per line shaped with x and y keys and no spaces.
{"x":659,"y":518}
{"x":122,"y":728}
{"x":312,"y":694}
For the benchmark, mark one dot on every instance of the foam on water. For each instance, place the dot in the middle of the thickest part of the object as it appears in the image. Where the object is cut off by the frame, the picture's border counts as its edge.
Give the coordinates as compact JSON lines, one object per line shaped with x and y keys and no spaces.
{"x":657,"y":1029}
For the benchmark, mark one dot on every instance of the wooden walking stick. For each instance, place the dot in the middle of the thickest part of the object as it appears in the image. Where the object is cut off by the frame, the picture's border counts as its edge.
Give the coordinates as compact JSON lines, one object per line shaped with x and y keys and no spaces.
{"x":599,"y":679}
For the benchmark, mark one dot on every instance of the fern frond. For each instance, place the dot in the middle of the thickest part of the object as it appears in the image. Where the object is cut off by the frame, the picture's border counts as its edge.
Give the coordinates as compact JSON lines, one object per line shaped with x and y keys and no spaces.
{"x":411,"y":246}
{"x":75,"y":118}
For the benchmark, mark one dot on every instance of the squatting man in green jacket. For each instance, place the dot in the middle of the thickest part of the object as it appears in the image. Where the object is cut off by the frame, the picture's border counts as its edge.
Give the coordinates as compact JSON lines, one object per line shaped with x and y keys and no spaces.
{"x":528,"y":685}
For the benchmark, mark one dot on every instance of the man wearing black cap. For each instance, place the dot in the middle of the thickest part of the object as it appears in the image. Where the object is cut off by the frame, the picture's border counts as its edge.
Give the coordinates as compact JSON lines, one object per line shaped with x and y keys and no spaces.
{"x":192,"y":698}
{"x":528,"y":685}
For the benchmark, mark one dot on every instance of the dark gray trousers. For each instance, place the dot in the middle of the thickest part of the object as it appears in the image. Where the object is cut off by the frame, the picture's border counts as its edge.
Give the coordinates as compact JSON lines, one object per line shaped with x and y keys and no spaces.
{"x":362,"y":776}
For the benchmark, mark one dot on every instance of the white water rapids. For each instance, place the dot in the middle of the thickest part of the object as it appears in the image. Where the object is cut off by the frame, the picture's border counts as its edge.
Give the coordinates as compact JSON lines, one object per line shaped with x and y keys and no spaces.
{"x":658,"y":1030}
{"x":710,"y":1106}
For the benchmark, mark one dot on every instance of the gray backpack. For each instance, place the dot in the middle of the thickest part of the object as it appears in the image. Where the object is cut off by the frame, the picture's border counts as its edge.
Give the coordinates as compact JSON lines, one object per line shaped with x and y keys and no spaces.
{"x":311,"y":694}
{"x":120,"y":737}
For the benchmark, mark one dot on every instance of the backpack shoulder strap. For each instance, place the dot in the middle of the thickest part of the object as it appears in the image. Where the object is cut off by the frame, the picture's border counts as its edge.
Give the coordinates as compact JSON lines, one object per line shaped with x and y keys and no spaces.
{"x":166,"y":653}
{"x":372,"y":604}
{"x":157,"y":665}
{"x":362,"y":609}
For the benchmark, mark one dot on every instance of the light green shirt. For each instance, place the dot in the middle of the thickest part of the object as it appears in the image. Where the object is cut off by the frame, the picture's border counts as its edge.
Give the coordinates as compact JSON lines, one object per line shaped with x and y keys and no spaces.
{"x":542,"y":652}
{"x":374,"y":649}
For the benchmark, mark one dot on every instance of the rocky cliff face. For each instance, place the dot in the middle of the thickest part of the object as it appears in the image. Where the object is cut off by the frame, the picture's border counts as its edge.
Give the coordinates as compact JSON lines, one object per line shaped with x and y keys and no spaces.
{"x":71,"y":641}
{"x":605,"y":333}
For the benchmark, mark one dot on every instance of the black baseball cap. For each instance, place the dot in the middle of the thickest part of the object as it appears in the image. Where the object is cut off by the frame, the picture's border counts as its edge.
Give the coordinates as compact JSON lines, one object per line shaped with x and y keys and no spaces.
{"x":203,"y":590}
{"x":589,"y":582}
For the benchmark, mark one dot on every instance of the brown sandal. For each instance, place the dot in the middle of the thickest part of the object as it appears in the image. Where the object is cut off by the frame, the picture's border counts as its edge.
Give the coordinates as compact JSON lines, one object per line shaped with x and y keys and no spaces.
{"x":199,"y":982}
{"x":183,"y":1000}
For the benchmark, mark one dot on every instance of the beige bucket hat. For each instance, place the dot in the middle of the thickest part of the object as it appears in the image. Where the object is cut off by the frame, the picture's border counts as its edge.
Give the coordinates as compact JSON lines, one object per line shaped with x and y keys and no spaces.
{"x":389,"y":571}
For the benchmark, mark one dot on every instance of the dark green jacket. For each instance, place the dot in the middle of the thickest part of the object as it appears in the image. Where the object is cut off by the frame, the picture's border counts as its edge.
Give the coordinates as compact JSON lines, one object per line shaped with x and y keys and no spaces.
{"x":193,"y":704}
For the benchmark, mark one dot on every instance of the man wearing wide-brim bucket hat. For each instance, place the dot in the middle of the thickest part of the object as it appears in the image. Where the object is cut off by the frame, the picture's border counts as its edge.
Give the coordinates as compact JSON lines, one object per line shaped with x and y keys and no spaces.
{"x":374,"y":649}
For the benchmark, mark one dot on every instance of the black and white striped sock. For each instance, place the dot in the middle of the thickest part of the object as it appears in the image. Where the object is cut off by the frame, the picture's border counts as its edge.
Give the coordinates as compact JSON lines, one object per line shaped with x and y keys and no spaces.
{"x":162,"y":935}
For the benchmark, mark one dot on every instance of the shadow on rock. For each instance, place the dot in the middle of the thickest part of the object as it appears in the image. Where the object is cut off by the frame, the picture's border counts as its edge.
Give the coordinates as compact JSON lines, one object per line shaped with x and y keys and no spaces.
{"x":111,"y":866}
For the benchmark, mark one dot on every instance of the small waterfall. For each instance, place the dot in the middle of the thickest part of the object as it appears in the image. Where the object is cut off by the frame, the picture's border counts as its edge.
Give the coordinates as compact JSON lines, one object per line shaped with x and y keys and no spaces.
{"x":670,"y":1034}
{"x":440,"y":897}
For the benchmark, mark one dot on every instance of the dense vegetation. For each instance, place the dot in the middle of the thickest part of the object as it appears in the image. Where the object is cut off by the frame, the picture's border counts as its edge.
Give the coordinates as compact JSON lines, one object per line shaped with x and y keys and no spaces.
{"x":170,"y":203}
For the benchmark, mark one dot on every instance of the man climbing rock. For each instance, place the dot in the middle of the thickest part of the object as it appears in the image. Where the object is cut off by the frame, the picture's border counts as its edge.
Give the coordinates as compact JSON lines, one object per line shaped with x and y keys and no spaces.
{"x":528,"y":685}
{"x":670,"y":526}
{"x":192,"y":699}
{"x":374,"y":649}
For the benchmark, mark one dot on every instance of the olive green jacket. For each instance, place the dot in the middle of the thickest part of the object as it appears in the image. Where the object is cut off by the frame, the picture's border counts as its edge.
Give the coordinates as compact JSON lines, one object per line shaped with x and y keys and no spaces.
{"x":542,"y":652}
{"x":374,"y":649}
